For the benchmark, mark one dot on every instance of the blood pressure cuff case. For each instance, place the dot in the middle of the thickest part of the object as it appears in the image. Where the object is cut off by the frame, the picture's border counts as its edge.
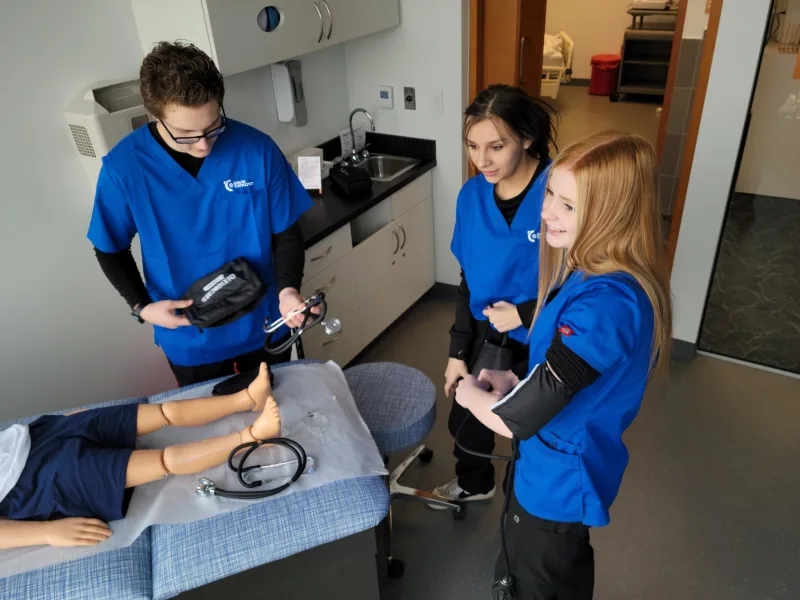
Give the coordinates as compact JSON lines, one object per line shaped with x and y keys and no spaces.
{"x":227,"y":294}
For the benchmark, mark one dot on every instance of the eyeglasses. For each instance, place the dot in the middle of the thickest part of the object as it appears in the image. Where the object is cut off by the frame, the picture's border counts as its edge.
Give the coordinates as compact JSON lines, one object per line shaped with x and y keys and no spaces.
{"x":208,"y":134}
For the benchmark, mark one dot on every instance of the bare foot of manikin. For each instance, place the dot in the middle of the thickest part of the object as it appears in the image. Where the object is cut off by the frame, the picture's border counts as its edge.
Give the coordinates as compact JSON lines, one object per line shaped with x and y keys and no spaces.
{"x":268,"y":424}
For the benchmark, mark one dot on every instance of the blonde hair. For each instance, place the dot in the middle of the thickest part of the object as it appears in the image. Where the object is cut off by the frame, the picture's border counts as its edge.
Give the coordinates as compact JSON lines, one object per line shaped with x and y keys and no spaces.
{"x":619,"y":226}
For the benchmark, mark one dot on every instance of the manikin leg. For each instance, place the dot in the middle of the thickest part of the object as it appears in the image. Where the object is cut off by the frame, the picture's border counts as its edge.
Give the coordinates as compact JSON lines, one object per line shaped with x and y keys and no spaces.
{"x":145,"y":466}
{"x":201,"y":411}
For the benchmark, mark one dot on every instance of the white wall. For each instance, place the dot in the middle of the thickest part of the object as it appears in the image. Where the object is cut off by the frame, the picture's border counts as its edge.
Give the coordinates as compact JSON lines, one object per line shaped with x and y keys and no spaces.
{"x":696,"y":20}
{"x":733,"y":70}
{"x":425,"y":52}
{"x":65,"y":334}
{"x":595,"y":27}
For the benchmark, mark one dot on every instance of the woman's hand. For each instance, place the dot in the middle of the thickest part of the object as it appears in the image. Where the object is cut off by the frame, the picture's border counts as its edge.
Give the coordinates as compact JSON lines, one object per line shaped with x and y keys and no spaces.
{"x":290,"y":299}
{"x":502,"y":382}
{"x":162,"y":313}
{"x":456,"y":369}
{"x":470,"y":391}
{"x":503,"y":315}
{"x":75,"y":531}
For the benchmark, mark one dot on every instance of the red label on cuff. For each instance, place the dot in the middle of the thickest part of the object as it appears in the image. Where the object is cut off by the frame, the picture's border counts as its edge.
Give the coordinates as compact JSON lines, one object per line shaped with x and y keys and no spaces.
{"x":565,"y":330}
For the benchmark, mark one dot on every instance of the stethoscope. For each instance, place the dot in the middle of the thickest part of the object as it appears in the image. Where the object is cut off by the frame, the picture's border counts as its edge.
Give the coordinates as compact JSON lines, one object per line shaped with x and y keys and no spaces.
{"x":318,"y":299}
{"x":305,"y":464}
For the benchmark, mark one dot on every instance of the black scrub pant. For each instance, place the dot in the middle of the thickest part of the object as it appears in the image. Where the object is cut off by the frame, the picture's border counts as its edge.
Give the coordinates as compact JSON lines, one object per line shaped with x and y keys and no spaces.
{"x":237,"y":364}
{"x":549,"y":560}
{"x":476,"y":474}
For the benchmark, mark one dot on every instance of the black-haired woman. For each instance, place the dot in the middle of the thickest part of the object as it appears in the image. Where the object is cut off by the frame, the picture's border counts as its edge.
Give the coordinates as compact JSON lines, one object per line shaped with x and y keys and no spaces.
{"x":496,"y":240}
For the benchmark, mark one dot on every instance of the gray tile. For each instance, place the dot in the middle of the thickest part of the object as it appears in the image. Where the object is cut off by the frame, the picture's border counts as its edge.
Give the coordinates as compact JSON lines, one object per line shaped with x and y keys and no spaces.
{"x":707,"y":508}
{"x":666,"y":193}
{"x":687,"y":61}
{"x":671,"y":154}
{"x":679,"y":110}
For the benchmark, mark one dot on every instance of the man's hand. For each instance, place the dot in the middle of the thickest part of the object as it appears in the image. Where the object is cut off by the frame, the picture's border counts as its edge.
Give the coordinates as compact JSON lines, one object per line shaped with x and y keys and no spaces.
{"x":471,"y":391}
{"x":162,"y":313}
{"x":290,"y":299}
{"x":503,"y":315}
{"x":456,"y":368}
{"x":75,"y":531}
{"x":502,"y":382}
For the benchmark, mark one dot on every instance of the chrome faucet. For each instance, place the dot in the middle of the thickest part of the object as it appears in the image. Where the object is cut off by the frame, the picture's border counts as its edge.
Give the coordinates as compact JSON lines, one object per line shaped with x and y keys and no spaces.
{"x":355,"y":157}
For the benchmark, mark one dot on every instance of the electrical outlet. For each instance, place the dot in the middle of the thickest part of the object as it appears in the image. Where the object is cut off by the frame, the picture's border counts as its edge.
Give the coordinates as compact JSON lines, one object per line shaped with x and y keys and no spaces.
{"x":410,"y":98}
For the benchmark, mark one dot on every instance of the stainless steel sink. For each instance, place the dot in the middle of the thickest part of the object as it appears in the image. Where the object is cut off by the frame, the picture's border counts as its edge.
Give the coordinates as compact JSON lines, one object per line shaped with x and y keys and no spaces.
{"x":385,"y":167}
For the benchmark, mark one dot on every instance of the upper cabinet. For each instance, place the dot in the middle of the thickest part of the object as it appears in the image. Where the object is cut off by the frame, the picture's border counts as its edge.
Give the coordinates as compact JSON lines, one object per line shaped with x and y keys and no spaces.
{"x":240,"y":35}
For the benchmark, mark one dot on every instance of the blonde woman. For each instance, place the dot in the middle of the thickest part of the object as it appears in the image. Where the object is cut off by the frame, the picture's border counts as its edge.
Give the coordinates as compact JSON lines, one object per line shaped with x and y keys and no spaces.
{"x":602,"y":334}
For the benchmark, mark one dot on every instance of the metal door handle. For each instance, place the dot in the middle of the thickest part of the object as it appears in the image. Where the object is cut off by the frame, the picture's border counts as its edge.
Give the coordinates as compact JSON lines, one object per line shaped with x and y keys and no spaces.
{"x":329,"y":342}
{"x":404,"y":237}
{"x":323,"y":255}
{"x":521,"y":57}
{"x":397,"y":240}
{"x":330,"y":18}
{"x":325,"y":287}
{"x":321,"y":26}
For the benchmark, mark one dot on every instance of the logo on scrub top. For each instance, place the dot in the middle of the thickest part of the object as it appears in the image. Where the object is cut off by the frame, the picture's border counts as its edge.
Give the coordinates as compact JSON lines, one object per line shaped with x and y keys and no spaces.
{"x":533,"y":236}
{"x":231,"y":185}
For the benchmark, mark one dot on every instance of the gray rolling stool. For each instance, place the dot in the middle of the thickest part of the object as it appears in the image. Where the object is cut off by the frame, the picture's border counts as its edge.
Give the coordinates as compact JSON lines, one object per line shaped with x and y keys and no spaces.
{"x":398,"y":404}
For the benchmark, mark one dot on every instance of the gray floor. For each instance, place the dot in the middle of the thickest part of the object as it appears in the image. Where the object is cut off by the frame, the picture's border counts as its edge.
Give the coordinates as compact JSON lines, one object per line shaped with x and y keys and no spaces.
{"x":582,"y":114}
{"x":708,"y":508}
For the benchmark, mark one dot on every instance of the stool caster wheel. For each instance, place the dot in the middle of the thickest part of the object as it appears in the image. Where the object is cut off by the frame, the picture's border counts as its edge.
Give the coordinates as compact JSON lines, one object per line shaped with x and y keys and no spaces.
{"x":614,"y":97}
{"x":426,"y":456}
{"x":460,"y":513}
{"x":396,"y":568}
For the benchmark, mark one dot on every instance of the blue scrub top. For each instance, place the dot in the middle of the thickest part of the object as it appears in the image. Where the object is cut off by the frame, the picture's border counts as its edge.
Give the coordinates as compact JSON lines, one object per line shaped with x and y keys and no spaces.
{"x":572,"y":469}
{"x":244,"y":193}
{"x":500,"y":262}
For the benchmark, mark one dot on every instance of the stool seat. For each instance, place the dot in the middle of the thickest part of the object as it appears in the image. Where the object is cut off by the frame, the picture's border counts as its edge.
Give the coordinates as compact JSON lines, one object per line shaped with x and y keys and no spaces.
{"x":397,"y":402}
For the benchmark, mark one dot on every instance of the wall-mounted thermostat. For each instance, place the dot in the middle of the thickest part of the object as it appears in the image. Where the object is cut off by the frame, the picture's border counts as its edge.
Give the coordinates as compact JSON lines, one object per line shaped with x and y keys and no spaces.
{"x":386,"y":97}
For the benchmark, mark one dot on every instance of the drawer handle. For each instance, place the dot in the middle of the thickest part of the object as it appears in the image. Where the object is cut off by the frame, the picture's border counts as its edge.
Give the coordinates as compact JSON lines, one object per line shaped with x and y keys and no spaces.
{"x":397,"y":241}
{"x":330,"y":18}
{"x":327,"y":287}
{"x":329,"y":342}
{"x":323,"y":255}
{"x":321,"y":25}
{"x":404,"y":237}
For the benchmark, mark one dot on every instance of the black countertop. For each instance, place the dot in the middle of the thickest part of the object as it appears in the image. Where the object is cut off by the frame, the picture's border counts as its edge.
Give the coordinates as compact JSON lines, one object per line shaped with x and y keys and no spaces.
{"x":332,"y":210}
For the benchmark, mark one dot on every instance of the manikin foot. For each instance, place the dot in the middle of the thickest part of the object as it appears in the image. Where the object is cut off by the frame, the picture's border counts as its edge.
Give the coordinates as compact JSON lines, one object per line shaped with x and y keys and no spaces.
{"x":268,"y":424}
{"x":260,"y":390}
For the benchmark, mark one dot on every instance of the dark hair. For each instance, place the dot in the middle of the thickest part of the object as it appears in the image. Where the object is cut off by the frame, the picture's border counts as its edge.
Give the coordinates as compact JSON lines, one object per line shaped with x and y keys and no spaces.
{"x":178,"y":73}
{"x":528,"y":117}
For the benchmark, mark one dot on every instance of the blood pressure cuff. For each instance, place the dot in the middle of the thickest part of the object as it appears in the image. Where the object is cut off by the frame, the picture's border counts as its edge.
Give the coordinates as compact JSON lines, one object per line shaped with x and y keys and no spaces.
{"x":541,"y":395}
{"x":227,"y":294}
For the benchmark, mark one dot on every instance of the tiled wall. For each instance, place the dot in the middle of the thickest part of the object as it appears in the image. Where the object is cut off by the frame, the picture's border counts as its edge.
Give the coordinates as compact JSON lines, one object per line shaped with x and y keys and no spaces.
{"x":678,"y":120}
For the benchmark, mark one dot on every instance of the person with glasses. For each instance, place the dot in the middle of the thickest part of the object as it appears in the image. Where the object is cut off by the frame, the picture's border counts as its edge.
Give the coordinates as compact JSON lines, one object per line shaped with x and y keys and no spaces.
{"x":200,"y":190}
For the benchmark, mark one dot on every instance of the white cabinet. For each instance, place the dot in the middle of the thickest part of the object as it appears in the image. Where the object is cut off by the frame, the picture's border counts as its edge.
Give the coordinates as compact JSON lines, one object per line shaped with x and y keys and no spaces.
{"x":415,"y":261}
{"x":369,"y":285}
{"x":354,"y":18}
{"x":229,"y":30}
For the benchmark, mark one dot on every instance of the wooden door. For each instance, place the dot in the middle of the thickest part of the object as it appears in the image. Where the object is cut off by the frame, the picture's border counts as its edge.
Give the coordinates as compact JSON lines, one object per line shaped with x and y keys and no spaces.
{"x":531,"y":42}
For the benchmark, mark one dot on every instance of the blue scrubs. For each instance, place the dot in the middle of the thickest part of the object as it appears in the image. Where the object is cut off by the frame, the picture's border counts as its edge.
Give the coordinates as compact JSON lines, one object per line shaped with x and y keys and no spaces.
{"x":500,"y":262}
{"x":572,"y":469}
{"x":244,"y":193}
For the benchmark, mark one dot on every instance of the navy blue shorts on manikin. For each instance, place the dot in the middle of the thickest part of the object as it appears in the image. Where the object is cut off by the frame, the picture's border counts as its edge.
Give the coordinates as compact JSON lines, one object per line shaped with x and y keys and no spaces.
{"x":76,"y":467}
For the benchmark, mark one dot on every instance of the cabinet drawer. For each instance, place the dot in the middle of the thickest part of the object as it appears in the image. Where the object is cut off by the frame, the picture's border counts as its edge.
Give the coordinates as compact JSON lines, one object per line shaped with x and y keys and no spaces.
{"x":342,"y":347}
{"x":339,"y":282}
{"x":411,"y":195}
{"x":326,"y":252}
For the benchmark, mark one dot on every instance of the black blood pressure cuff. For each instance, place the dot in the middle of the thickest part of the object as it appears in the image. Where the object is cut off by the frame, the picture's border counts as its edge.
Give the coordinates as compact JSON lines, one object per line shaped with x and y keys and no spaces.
{"x":227,"y":294}
{"x":541,"y":395}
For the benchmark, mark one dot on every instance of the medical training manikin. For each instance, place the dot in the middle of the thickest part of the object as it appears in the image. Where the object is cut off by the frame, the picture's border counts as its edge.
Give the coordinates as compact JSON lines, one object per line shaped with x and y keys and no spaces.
{"x":64,"y":477}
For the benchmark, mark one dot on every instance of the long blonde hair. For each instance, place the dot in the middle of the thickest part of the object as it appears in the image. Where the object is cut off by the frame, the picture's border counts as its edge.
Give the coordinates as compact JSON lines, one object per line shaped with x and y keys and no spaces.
{"x":619,"y":226}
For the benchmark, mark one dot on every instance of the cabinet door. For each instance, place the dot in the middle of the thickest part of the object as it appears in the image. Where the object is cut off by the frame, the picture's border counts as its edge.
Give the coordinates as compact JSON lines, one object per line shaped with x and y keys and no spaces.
{"x":416,"y":256}
{"x":240,"y":44}
{"x":342,"y":347}
{"x":378,"y":280}
{"x":354,"y":18}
